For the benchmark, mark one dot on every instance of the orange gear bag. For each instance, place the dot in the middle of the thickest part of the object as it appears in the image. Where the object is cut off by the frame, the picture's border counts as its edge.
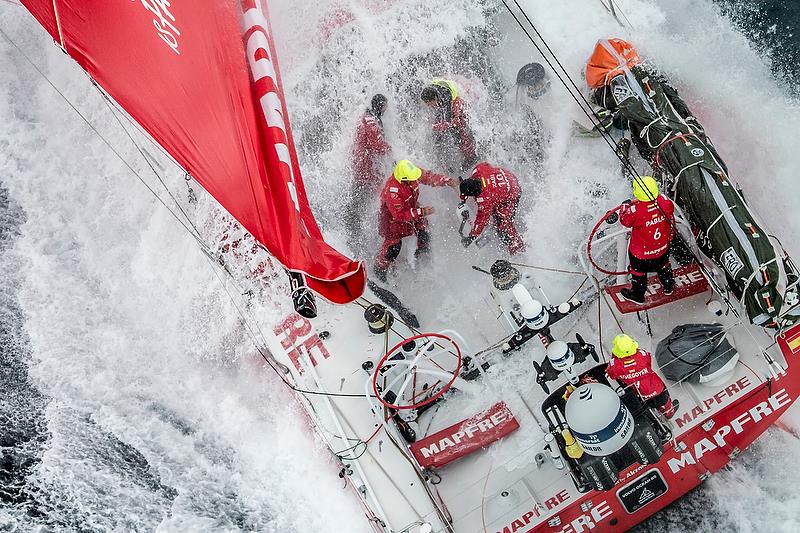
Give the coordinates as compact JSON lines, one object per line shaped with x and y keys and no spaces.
{"x":610,"y":57}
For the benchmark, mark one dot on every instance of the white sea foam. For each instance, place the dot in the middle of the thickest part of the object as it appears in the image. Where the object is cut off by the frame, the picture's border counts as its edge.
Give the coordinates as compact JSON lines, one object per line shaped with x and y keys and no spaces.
{"x":133,"y":334}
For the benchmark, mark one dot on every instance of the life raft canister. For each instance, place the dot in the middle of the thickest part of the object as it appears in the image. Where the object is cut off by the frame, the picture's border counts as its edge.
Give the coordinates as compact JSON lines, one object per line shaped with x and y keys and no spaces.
{"x":599,"y":420}
{"x":610,"y":57}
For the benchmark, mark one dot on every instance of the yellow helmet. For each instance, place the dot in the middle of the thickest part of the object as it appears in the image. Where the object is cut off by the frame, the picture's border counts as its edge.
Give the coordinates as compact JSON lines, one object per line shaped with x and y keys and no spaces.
{"x":449,"y":85}
{"x":624,"y":346}
{"x":645,"y":189}
{"x":405,"y":170}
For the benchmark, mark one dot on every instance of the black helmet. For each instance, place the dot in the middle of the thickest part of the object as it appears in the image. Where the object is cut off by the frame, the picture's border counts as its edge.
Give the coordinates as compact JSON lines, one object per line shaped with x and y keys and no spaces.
{"x":531,"y":74}
{"x":378,"y":105}
{"x":471,"y":187}
{"x":429,"y":94}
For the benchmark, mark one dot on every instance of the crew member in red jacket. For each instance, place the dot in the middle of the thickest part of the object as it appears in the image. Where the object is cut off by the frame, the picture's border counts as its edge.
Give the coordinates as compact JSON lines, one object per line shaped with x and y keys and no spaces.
{"x":452,"y":121}
{"x":496,"y":192}
{"x":634,"y":367}
{"x":401,"y":215}
{"x":652,"y":220}
{"x":369,"y":147}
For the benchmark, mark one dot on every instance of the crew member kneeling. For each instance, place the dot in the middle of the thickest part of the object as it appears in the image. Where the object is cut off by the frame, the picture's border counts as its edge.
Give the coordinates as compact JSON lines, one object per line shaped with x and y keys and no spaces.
{"x":497,"y":192}
{"x":651,"y":219}
{"x":634,"y":367}
{"x":401,"y":216}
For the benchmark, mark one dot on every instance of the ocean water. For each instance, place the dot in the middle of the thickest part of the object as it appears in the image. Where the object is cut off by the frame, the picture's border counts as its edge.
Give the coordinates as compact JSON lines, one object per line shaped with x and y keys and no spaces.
{"x":130,"y":399}
{"x":772,"y":26}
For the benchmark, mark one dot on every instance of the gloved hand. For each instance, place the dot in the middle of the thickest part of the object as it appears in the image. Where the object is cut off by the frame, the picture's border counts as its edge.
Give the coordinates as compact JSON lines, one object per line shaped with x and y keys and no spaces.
{"x":427,"y":210}
{"x":466,"y":241}
{"x":463,"y":210}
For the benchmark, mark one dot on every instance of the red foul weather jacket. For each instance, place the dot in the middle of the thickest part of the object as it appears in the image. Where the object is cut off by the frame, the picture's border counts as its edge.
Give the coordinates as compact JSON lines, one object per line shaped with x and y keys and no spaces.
{"x":401,"y":215}
{"x":459,"y":123}
{"x":368,"y":146}
{"x":499,"y":197}
{"x":637,"y":371}
{"x":651,"y":224}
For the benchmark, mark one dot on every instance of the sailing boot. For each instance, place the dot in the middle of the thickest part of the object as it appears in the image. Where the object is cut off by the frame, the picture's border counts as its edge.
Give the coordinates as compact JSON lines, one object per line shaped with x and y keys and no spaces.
{"x":381,"y":273}
{"x":389,"y":252}
{"x":666,"y":278}
{"x":423,"y":246}
{"x":637,"y":289}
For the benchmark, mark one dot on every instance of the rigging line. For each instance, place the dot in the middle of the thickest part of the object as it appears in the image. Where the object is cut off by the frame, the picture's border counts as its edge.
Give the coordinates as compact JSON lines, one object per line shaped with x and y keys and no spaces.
{"x":626,"y":164}
{"x":264,"y":352}
{"x":593,"y":118}
{"x":580,"y":99}
{"x":574,"y":294}
{"x":616,"y":6}
{"x":483,"y":497}
{"x":195,"y":232}
{"x":549,"y":269}
{"x":611,"y":8}
{"x":93,"y":128}
{"x":600,"y":330}
{"x":603,"y":297}
{"x":175,"y":216}
{"x":142,"y":131}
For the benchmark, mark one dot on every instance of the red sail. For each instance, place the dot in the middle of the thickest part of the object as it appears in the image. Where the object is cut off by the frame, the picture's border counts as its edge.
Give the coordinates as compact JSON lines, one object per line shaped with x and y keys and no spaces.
{"x":202,"y":79}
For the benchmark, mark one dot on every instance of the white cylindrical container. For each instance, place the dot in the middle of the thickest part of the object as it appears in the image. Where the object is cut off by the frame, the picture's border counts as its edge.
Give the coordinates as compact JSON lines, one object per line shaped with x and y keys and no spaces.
{"x":560,"y":356}
{"x":599,"y":420}
{"x":532,"y":310}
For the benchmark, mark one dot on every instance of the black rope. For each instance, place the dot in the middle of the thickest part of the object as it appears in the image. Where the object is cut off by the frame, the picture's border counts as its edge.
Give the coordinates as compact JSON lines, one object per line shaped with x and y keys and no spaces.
{"x":173,"y":213}
{"x":593,"y":117}
{"x":111,"y":108}
{"x":92,"y":127}
{"x":627,"y":166}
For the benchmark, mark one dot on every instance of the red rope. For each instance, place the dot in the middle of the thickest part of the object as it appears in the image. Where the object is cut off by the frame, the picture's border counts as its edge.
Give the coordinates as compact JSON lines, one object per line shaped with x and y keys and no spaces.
{"x":589,"y":244}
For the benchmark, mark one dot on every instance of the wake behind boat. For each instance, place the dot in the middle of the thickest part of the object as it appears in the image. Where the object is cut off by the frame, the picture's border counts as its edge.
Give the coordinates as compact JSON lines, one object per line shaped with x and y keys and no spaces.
{"x":493,"y":410}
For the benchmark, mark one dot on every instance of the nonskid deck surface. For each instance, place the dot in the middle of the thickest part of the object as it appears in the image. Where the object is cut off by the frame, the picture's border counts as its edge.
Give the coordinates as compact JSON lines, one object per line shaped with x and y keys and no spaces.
{"x":514,"y":478}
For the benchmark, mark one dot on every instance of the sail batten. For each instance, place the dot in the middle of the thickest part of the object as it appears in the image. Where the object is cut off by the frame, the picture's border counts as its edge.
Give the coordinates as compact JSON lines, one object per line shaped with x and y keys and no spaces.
{"x":202,"y":79}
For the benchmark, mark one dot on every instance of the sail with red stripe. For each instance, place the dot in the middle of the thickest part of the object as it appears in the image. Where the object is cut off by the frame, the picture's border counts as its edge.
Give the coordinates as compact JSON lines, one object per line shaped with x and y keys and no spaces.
{"x":202,"y":79}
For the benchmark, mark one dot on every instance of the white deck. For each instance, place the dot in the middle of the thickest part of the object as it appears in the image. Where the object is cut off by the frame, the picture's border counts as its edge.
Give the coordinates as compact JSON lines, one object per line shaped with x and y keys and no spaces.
{"x":503,"y":483}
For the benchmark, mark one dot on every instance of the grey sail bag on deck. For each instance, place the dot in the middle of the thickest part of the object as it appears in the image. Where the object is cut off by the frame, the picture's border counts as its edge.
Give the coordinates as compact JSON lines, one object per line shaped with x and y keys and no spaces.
{"x":697,"y":353}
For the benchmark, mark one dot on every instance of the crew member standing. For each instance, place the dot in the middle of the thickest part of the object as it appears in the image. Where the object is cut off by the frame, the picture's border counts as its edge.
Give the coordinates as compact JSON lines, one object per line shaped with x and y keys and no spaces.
{"x":496,"y":192}
{"x":652,"y":220}
{"x":634,"y":367}
{"x":401,"y":215}
{"x":369,"y":148}
{"x":451,"y":124}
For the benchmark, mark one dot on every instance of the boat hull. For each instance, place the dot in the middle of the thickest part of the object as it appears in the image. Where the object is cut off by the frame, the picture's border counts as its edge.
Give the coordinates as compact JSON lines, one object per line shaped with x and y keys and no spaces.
{"x":697,"y":453}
